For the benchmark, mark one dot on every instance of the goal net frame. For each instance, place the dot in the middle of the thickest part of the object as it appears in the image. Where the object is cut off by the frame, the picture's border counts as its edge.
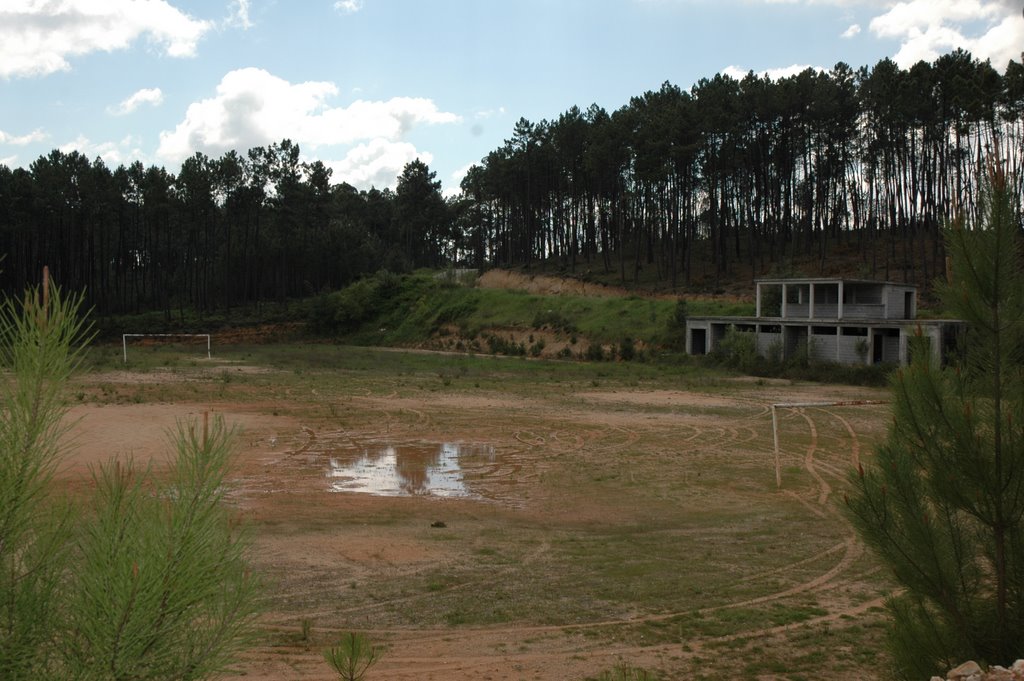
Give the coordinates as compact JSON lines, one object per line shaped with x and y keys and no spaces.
{"x":801,"y":405}
{"x":126,"y":336}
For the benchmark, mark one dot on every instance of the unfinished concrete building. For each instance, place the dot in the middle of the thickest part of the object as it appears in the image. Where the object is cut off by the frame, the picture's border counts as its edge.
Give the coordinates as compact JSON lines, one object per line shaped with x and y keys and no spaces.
{"x":847,"y":321}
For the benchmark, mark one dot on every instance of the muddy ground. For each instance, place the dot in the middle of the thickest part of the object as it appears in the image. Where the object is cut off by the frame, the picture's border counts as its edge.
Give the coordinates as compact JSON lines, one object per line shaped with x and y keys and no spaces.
{"x":548,"y":530}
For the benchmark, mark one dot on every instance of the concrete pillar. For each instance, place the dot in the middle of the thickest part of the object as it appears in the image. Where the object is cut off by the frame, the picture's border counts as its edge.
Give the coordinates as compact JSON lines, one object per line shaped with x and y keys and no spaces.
{"x":757,"y":298}
{"x":810,"y":301}
{"x":782,"y":308}
{"x":935,"y":334}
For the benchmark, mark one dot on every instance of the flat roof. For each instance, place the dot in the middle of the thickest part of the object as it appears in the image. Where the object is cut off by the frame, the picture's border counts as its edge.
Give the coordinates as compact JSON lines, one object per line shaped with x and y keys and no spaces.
{"x":823,"y":321}
{"x":830,"y":280}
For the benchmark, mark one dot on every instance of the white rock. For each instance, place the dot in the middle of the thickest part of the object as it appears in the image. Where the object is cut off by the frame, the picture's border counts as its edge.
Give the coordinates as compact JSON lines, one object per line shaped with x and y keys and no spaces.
{"x":964,"y":672}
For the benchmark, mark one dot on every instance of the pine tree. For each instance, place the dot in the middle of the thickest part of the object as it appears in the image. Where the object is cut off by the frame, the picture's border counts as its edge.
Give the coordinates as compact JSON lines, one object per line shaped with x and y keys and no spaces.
{"x":944,"y":503}
{"x":40,"y":344}
{"x":148,"y":578}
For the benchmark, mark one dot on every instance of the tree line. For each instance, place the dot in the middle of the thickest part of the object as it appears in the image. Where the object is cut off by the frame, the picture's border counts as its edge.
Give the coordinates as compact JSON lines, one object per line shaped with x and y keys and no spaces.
{"x":683,"y":187}
{"x":750,"y":173}
{"x":229,"y":231}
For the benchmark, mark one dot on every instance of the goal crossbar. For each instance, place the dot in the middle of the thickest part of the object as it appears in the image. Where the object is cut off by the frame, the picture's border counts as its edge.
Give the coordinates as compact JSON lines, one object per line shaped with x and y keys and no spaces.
{"x":126,"y":336}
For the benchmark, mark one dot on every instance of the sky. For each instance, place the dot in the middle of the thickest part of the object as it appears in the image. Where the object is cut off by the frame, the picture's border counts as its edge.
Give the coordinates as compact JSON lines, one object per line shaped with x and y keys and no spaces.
{"x":366,"y":86}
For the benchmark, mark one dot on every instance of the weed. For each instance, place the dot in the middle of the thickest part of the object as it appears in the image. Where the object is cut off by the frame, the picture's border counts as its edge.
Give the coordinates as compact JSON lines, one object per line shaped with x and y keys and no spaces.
{"x":306,"y":631}
{"x":352,"y":656}
{"x":623,"y":672}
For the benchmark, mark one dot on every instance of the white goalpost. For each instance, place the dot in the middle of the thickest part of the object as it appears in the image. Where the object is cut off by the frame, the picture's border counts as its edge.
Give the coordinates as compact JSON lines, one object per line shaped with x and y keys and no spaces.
{"x":126,"y":336}
{"x":799,"y":405}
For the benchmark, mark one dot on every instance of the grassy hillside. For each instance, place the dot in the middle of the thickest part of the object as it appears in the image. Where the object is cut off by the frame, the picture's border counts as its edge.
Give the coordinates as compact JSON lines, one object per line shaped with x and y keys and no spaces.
{"x":428,"y":309}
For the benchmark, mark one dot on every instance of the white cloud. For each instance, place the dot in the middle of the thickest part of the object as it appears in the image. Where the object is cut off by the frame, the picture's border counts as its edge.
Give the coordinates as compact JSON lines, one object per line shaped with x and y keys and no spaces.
{"x":988,"y":29}
{"x":377,"y":163}
{"x":240,"y":16}
{"x":489,"y":113}
{"x":348,"y":6}
{"x":9,"y":161}
{"x":927,"y":29}
{"x":252,"y":107}
{"x":127,"y":150}
{"x":36,"y":135}
{"x":37,"y":38}
{"x":460,"y":173}
{"x":454,"y":188}
{"x":834,"y":3}
{"x":739,"y":73}
{"x":152,"y":96}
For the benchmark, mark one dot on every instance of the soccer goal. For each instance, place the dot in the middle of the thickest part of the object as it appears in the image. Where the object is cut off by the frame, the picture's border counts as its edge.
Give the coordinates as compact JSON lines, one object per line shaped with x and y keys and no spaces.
{"x":195,"y":338}
{"x":801,"y":405}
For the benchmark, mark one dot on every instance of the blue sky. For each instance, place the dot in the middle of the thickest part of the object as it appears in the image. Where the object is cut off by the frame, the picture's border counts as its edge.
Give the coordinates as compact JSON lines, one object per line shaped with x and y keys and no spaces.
{"x":368,"y":85}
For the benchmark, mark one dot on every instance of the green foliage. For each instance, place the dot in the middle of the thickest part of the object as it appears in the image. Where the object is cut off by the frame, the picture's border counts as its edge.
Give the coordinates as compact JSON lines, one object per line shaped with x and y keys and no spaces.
{"x":498,"y":345}
{"x":680,"y":314}
{"x":771,"y":301}
{"x":861,"y":347}
{"x":737,"y":350}
{"x":413,"y":308}
{"x":456,"y":308}
{"x":352,"y":656}
{"x":162,"y":589}
{"x":346,"y":310}
{"x":627,"y":350}
{"x":40,"y":346}
{"x":150,"y":581}
{"x":677,"y":325}
{"x":595,"y":353}
{"x":805,"y":355}
{"x":944,"y":506}
{"x":555,"y":320}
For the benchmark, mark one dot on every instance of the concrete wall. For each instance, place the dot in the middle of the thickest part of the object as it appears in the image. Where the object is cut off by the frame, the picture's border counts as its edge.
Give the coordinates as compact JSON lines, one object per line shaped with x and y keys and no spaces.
{"x":823,"y":347}
{"x":850,"y":311}
{"x":863,"y":311}
{"x":847,"y":352}
{"x":784,"y":341}
{"x":766,"y":341}
{"x":898,"y":303}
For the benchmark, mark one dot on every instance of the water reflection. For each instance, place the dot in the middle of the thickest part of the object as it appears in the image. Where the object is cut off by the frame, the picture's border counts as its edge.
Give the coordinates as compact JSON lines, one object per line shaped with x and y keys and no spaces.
{"x":404,"y":470}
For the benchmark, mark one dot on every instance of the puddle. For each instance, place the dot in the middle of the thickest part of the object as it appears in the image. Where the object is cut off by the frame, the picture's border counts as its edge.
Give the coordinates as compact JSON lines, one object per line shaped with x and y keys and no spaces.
{"x":407,"y":470}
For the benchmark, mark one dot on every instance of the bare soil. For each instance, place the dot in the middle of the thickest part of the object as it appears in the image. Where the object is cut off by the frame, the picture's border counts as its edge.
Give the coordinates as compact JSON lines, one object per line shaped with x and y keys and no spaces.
{"x":609,"y":525}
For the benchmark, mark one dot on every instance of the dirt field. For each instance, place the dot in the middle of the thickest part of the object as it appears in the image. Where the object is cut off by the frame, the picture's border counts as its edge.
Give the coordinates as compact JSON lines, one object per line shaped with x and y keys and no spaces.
{"x":502,"y":520}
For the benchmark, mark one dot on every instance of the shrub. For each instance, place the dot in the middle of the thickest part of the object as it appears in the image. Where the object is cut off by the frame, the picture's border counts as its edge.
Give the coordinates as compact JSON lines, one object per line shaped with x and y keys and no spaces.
{"x":627,"y":351}
{"x":352,"y":656}
{"x":737,"y":350}
{"x":345,"y":310}
{"x":677,"y":325}
{"x":554,"y":320}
